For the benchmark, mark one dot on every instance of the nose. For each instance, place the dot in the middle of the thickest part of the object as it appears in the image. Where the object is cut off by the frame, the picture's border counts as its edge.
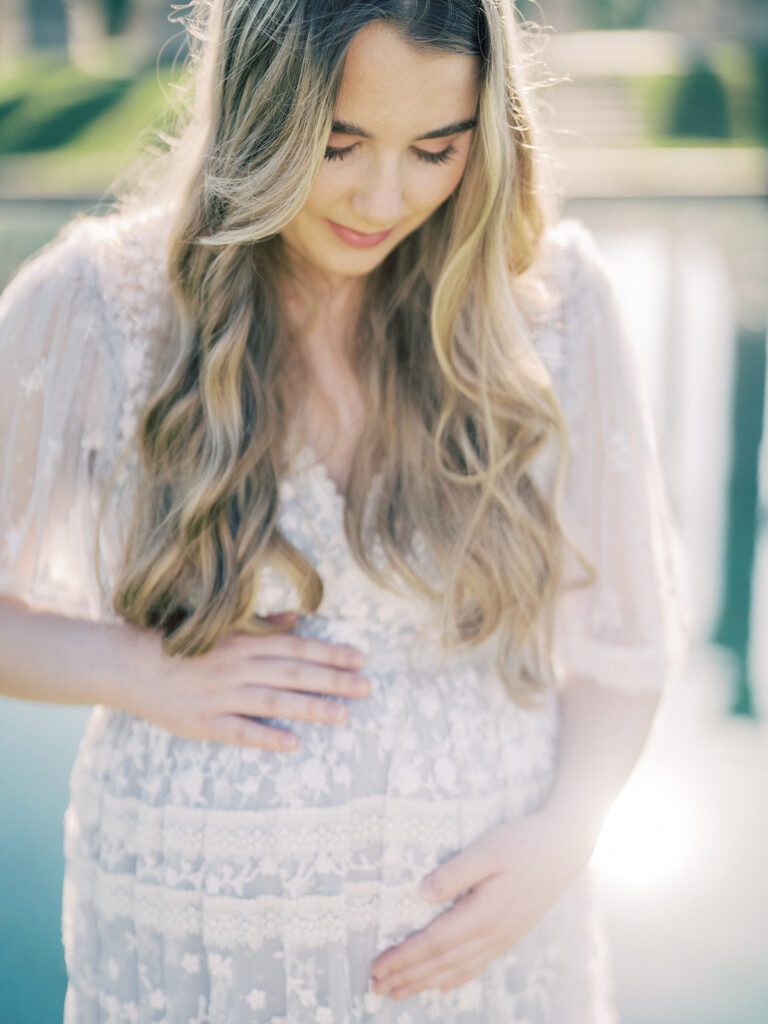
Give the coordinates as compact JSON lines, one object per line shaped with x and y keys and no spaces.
{"x":379,"y":201}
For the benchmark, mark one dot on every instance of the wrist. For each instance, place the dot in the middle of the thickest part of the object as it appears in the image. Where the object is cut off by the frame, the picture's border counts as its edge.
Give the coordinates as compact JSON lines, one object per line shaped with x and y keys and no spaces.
{"x":135,"y":659}
{"x":569,"y":829}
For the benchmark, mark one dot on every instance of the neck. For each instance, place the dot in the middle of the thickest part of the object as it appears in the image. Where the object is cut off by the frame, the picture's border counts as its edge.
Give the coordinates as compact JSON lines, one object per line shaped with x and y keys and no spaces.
{"x":322,"y":311}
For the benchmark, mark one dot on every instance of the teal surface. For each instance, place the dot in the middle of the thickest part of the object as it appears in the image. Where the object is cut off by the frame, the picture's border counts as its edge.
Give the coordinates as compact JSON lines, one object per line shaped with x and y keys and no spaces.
{"x":37,"y":746}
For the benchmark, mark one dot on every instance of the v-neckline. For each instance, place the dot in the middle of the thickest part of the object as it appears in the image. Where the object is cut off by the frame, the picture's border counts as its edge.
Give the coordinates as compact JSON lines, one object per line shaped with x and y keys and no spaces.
{"x":309,"y":461}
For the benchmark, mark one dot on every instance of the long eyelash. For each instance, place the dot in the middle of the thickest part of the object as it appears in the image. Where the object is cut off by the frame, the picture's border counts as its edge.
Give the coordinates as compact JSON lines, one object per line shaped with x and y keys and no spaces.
{"x":332,"y":153}
{"x":335,"y":153}
{"x":438,"y":158}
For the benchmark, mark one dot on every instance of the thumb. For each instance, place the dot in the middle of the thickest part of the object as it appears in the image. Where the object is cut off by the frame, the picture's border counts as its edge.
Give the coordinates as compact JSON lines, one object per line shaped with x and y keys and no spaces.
{"x":460,"y":872}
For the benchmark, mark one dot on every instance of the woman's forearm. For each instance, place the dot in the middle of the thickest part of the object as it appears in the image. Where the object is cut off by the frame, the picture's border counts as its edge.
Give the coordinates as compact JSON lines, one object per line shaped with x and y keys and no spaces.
{"x":603,"y":732}
{"x":57,"y":659}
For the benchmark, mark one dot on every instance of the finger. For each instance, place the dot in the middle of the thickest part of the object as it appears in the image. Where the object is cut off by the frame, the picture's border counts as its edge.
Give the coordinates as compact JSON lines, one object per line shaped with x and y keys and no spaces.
{"x":286,"y":619}
{"x":478,"y":860}
{"x":450,"y":978}
{"x":302,"y":648}
{"x":465,"y":920}
{"x":268,"y":702}
{"x":245,"y":733}
{"x":300,"y":675}
{"x":471,"y":969}
{"x":452,"y":960}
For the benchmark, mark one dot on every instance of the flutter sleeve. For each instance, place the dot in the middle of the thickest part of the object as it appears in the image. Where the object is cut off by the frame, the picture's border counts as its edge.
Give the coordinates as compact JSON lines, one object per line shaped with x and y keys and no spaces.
{"x":630,"y":629}
{"x":53,"y":393}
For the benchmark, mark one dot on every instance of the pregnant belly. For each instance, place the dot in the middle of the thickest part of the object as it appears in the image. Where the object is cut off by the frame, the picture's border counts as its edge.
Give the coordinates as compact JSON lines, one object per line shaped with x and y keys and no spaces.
{"x":334,"y":836}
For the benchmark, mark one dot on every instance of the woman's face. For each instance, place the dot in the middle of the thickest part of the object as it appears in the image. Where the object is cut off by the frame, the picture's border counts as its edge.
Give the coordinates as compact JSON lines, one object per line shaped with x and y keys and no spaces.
{"x":380,"y":173}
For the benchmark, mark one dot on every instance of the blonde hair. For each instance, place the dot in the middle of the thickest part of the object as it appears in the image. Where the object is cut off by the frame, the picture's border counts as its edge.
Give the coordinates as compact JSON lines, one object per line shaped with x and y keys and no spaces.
{"x":459,"y":404}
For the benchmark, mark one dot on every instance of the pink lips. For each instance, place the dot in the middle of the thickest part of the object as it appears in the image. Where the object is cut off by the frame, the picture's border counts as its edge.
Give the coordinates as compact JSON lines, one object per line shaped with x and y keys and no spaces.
{"x":358,"y":238}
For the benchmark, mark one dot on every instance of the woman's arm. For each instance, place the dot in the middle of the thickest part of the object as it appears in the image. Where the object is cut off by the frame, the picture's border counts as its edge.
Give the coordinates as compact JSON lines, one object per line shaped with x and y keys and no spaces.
{"x":63,"y":660}
{"x":603,"y":732}
{"x":505,"y":881}
{"x":217,"y":696}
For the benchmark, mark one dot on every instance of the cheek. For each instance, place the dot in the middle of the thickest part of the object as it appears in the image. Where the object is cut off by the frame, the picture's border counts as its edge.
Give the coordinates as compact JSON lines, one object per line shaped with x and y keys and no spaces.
{"x":455,"y":173}
{"x":447,"y":178}
{"x":326,"y":190}
{"x":429,"y":194}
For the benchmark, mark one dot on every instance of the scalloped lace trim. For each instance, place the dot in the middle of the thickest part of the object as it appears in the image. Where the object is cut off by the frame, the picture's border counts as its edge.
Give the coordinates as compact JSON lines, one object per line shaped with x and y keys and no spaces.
{"x":309,"y":921}
{"x":128,"y":824}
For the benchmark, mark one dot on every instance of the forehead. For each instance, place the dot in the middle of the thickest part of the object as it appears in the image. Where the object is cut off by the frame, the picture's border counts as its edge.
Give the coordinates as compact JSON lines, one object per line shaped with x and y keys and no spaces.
{"x":383,"y":73}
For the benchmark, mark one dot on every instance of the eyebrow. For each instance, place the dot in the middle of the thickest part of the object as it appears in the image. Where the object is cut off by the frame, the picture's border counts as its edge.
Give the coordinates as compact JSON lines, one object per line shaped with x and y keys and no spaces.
{"x":345,"y":128}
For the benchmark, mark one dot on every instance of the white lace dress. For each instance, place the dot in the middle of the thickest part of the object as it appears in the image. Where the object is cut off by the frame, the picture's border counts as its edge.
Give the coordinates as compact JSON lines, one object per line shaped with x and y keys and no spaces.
{"x":207,"y":882}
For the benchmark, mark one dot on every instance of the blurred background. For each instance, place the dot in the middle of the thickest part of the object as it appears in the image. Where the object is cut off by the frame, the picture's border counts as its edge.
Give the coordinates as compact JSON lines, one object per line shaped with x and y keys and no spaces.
{"x":659,"y":122}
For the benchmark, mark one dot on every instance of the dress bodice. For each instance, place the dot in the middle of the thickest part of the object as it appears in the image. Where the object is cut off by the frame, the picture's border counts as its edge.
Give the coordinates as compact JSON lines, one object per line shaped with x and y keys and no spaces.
{"x":354,"y":609}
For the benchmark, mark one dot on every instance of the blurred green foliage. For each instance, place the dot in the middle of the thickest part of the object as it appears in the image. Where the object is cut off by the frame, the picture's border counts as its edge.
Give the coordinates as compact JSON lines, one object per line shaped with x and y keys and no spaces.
{"x":50,"y":104}
{"x":759,"y":53}
{"x":62,"y":126}
{"x":619,"y":13}
{"x":47,"y":111}
{"x":699,"y":104}
{"x":721,"y":99}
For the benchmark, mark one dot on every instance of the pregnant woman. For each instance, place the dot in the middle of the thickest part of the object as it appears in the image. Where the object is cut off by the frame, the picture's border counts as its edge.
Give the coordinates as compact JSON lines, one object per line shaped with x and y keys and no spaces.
{"x":329,"y":479}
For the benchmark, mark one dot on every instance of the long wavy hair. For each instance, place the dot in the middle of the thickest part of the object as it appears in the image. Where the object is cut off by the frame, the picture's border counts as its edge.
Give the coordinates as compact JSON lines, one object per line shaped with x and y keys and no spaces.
{"x":459,"y":406}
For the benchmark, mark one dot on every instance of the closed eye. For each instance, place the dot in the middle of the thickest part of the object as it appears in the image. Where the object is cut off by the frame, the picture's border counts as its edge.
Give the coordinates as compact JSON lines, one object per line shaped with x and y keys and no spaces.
{"x":336,"y":153}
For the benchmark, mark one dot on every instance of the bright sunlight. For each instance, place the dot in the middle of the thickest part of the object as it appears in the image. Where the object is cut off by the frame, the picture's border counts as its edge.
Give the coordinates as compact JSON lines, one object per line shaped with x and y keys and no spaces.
{"x":648,"y":834}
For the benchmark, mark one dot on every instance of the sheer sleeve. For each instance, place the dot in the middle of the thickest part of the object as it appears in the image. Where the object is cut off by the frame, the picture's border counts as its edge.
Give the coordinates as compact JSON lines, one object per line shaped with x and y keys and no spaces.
{"x":630,"y":629}
{"x":52,"y":395}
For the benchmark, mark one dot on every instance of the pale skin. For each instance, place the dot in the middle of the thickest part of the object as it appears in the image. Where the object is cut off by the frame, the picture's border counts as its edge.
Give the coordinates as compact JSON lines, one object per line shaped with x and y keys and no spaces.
{"x":505,"y":881}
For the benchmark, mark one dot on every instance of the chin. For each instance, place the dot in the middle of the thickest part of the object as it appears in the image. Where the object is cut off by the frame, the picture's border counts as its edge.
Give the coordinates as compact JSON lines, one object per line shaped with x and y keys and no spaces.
{"x":356,"y":264}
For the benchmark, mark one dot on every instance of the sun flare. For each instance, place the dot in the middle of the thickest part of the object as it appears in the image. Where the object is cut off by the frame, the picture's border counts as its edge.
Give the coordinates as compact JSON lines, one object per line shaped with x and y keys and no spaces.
{"x":647,"y":835}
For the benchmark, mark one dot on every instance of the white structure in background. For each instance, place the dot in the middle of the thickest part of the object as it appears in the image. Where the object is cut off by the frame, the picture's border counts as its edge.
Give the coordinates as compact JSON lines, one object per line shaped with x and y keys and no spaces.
{"x":146,"y":32}
{"x":677,"y":300}
{"x":16,"y":36}
{"x":79,"y":27}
